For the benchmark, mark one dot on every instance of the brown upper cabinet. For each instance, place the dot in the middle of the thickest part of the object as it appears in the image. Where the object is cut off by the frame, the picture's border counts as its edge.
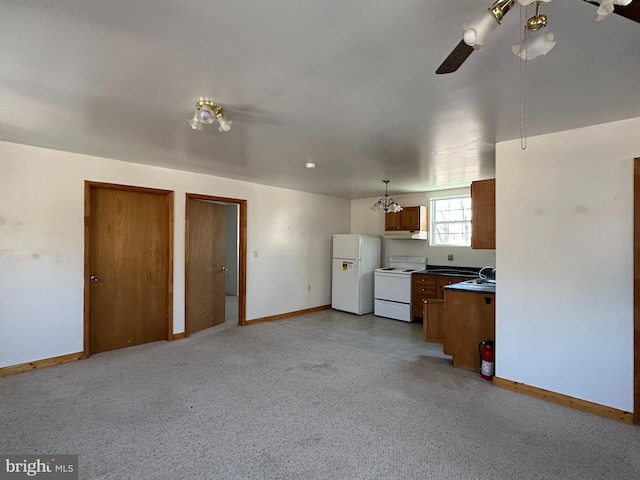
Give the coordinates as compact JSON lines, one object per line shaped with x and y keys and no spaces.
{"x":409,"y":218}
{"x":483,"y":214}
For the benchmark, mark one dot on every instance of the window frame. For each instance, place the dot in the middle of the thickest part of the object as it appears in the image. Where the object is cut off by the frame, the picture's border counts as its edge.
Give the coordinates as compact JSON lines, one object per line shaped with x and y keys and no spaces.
{"x":432,"y":220}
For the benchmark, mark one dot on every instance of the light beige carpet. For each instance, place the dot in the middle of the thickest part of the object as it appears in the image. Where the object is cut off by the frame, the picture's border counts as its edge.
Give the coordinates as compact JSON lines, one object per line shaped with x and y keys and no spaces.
{"x":271,"y":401}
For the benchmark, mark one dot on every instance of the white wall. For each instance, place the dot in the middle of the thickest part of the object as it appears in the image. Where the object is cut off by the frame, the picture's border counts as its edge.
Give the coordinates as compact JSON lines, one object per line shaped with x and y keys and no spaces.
{"x":42,"y":258}
{"x":564,"y":310}
{"x":365,"y":220}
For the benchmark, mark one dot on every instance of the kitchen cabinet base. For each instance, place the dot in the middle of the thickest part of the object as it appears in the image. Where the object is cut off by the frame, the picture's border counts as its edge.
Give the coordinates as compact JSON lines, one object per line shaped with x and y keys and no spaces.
{"x":469,"y":318}
{"x":433,"y":321}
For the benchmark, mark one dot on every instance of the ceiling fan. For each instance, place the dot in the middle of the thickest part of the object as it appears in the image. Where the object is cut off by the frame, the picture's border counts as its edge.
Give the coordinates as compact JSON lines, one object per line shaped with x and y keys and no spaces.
{"x":475,"y":31}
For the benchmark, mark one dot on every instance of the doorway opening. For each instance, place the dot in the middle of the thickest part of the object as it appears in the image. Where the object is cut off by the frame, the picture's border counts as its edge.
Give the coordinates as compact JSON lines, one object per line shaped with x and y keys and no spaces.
{"x":636,"y":291}
{"x":215,"y":261}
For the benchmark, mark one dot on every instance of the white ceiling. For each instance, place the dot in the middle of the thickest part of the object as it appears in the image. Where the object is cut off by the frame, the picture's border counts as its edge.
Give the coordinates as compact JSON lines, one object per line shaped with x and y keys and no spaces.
{"x":349,"y":84}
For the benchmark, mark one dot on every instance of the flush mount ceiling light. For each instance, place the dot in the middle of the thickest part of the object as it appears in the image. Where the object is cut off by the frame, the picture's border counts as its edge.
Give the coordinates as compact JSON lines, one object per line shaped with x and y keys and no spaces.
{"x":207,"y":112}
{"x":386,"y":203}
{"x":310,"y":164}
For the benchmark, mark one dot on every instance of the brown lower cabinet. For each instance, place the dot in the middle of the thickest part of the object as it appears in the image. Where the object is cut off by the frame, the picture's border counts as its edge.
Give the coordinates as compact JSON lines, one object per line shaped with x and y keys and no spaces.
{"x":433,"y":321}
{"x":468,"y":319}
{"x":428,"y":287}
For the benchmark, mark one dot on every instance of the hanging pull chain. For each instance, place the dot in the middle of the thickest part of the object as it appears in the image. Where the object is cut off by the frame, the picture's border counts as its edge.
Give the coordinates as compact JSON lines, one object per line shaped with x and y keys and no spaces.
{"x":523,"y":82}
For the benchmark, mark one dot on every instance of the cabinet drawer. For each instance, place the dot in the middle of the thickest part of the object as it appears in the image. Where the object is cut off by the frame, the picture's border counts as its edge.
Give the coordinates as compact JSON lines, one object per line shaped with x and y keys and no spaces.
{"x":426,"y":291}
{"x":441,"y":282}
{"x":423,"y":279}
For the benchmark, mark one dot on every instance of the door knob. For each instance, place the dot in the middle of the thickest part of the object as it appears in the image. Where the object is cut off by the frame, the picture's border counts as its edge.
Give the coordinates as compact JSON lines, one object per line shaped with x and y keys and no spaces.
{"x":93,"y":278}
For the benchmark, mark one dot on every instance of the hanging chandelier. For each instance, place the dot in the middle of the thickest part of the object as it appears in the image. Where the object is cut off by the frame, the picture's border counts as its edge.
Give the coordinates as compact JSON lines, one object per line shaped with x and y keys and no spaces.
{"x":386,"y":203}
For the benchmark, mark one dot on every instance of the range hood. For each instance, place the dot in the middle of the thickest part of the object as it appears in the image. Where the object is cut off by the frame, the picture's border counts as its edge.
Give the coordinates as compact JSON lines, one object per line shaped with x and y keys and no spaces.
{"x":407,"y":234}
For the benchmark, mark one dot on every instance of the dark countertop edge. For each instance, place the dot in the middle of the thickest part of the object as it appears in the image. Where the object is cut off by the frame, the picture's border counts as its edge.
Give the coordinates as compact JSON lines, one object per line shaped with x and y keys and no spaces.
{"x":471,"y":288}
{"x":444,"y":271}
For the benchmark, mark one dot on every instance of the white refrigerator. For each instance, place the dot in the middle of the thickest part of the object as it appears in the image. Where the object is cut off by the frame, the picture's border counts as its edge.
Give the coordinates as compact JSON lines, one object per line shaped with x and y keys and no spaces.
{"x":355,"y":257}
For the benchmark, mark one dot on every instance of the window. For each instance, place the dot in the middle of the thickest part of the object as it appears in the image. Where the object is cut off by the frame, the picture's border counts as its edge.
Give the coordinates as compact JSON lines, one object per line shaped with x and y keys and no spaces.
{"x":451,"y":221}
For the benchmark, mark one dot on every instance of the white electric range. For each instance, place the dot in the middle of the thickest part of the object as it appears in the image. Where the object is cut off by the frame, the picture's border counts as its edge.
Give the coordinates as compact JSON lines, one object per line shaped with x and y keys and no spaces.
{"x":392,"y":287}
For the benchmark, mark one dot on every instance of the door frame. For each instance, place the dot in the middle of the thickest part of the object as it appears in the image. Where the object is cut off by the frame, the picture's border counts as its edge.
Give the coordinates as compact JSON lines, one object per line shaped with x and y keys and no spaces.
{"x":242,"y":253}
{"x":88,"y":185}
{"x":636,"y":291}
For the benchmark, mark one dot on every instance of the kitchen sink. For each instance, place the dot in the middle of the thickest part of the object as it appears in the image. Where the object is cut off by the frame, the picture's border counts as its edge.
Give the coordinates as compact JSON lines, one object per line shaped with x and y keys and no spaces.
{"x":476,"y":285}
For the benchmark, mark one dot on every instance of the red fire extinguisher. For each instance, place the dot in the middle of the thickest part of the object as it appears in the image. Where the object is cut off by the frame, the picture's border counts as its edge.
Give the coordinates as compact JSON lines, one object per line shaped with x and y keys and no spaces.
{"x":485,"y":349}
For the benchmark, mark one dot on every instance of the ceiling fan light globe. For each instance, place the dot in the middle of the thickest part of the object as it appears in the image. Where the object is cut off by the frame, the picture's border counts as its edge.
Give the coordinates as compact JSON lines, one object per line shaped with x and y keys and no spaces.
{"x":529,"y":2}
{"x":477,"y":30}
{"x":606,"y":7}
{"x":535,"y":44}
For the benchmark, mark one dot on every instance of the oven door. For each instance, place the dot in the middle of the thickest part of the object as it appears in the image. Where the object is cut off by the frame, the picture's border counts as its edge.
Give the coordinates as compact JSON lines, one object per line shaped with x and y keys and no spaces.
{"x":395,"y":287}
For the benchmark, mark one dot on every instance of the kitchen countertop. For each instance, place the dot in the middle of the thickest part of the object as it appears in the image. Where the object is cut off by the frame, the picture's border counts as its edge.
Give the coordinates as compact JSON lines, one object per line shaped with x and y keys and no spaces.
{"x":473,"y":286}
{"x":449,"y":271}
{"x":476,"y":285}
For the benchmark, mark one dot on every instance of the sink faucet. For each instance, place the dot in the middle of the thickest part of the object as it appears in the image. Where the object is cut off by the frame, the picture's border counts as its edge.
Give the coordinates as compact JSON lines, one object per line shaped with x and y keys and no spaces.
{"x":484,"y":276}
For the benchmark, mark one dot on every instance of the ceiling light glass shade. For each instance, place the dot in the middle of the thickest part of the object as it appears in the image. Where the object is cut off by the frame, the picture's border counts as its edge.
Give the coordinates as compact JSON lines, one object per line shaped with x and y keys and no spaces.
{"x":386,"y":204}
{"x":535,"y":44}
{"x":195,"y":123}
{"x":529,"y":2}
{"x":225,"y":125}
{"x":606,"y":7}
{"x":474,"y":32}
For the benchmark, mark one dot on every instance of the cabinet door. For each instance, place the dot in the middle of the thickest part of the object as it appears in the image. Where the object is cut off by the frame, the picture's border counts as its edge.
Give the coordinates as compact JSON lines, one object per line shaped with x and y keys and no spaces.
{"x":469,"y":318}
{"x":392,"y":221}
{"x":410,"y":218}
{"x":483,"y":214}
{"x":433,"y":321}
{"x":414,"y":218}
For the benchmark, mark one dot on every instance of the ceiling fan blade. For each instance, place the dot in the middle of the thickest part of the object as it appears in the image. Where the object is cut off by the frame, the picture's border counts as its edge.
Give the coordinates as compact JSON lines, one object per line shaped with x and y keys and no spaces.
{"x":631,"y":11}
{"x":455,"y":58}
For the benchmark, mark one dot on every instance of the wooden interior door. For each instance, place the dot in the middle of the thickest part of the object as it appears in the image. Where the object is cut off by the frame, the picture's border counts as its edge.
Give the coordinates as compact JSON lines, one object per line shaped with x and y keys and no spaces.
{"x":205,"y":264}
{"x":129,"y":267}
